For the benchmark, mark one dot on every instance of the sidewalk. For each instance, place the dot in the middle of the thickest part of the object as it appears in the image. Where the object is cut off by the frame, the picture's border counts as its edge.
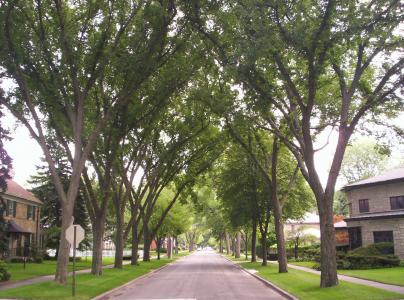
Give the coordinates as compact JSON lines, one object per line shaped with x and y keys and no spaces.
{"x":14,"y":284}
{"x":384,"y":286}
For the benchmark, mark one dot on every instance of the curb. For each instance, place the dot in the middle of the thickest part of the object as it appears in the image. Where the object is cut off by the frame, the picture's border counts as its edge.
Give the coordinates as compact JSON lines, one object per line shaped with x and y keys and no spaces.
{"x":105,"y":294}
{"x":266,"y":282}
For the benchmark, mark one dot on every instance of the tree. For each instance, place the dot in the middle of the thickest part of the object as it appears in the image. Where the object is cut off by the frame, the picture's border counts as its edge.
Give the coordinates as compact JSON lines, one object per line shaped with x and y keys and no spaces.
{"x":51,"y":214}
{"x":363,"y":159}
{"x":311,"y":66}
{"x":5,"y":169}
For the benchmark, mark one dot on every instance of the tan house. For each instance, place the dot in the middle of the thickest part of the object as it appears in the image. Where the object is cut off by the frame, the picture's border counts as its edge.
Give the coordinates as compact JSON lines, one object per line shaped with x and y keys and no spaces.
{"x":376,"y":207}
{"x":23,"y":215}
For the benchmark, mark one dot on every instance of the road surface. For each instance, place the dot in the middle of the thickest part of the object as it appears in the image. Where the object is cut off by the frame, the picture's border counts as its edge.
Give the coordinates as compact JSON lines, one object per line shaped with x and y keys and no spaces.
{"x":200,"y":276}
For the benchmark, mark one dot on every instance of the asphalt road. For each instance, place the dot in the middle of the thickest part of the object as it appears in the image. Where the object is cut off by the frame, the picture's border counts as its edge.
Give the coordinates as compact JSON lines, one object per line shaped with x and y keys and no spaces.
{"x":203,"y":275}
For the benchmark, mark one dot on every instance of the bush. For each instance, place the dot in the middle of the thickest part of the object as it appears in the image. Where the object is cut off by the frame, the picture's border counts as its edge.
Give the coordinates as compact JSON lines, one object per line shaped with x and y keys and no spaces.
{"x":4,"y":274}
{"x":377,"y":249}
{"x":369,"y":262}
{"x":77,"y":259}
{"x":38,"y":259}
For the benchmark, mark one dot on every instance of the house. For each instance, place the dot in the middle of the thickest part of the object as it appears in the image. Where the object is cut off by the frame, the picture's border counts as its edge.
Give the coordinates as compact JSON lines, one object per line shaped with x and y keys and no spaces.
{"x":376,"y":207}
{"x":309,"y":224}
{"x":22,"y":213}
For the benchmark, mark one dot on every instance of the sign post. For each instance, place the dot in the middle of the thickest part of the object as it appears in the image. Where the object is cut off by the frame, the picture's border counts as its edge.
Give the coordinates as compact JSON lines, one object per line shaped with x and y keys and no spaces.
{"x":74,"y":235}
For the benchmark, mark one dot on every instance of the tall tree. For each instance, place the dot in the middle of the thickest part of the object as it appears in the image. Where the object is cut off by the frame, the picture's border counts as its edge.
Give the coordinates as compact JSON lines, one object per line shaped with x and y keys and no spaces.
{"x":311,"y":66}
{"x":5,"y":169}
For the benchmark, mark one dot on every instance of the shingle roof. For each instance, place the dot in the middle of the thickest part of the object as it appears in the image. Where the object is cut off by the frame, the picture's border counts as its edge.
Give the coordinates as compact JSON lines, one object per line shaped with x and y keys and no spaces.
{"x":388,"y":176}
{"x":16,"y":190}
{"x":378,"y":215}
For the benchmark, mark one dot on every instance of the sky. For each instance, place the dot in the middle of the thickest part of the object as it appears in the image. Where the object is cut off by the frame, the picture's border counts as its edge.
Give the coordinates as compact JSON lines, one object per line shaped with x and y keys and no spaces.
{"x":27,"y":154}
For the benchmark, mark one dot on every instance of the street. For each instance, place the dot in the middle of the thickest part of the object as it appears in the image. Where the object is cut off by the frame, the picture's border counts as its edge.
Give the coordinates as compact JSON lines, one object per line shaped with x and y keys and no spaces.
{"x":202,"y":275}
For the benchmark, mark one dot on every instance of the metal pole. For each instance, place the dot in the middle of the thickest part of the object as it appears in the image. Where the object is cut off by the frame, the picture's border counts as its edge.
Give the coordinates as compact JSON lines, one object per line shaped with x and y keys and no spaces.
{"x":74,"y":262}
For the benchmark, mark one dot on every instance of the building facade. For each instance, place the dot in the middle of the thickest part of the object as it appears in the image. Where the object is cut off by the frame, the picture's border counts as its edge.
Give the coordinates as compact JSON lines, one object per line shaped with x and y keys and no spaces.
{"x":22,"y":213}
{"x":376,"y":208}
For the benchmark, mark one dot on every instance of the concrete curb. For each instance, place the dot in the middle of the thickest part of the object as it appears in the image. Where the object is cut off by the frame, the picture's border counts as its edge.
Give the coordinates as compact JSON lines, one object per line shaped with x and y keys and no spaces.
{"x":105,"y":294}
{"x":266,"y":282}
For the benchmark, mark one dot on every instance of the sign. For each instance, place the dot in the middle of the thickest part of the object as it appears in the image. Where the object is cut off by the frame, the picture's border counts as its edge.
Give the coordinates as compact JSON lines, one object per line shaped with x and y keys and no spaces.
{"x":74,"y":235}
{"x":70,"y":234}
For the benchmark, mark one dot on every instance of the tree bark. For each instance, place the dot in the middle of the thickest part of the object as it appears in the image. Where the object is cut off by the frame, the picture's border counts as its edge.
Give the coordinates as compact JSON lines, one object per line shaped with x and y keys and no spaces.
{"x":119,"y":240}
{"x":64,"y":245}
{"x":221,"y":244}
{"x":237,"y":245}
{"x":169,"y":247}
{"x":254,"y":241}
{"x":328,"y":250}
{"x":158,"y":247}
{"x":264,"y":250}
{"x":146,"y":242}
{"x":227,"y":244}
{"x":135,"y":243}
{"x":280,"y":238}
{"x":246,"y":246}
{"x":98,"y":237}
{"x":176,"y":244}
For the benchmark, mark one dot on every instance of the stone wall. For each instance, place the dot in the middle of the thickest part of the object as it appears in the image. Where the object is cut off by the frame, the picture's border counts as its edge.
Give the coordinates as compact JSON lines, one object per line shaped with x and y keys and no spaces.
{"x":378,"y":196}
{"x":369,"y":226}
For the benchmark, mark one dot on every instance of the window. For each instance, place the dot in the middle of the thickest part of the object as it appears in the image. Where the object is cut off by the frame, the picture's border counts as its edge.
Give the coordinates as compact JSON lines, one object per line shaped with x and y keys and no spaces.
{"x":397,"y":202}
{"x":383,"y":236}
{"x":30,"y":212}
{"x":363,"y":205}
{"x":11,"y":208}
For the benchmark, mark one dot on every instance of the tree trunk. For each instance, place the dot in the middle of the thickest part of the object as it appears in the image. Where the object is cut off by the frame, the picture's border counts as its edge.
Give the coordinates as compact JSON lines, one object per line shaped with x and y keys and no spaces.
{"x":169,"y":247}
{"x":147,"y":241}
{"x":98,"y":237}
{"x":64,"y":246}
{"x":238,"y":245}
{"x":254,"y":241}
{"x":227,"y":244}
{"x":280,"y":238}
{"x":221,"y":244}
{"x":135,"y":244}
{"x":246,"y":246}
{"x":328,"y":250}
{"x":119,"y":242}
{"x":176,"y":245}
{"x":264,"y":250}
{"x":158,"y":247}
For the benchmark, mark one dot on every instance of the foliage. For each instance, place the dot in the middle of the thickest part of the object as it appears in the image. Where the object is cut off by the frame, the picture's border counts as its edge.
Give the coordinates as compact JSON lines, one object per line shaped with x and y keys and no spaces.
{"x":384,"y":248}
{"x":5,"y":168}
{"x":363,"y":159}
{"x":4,"y":274}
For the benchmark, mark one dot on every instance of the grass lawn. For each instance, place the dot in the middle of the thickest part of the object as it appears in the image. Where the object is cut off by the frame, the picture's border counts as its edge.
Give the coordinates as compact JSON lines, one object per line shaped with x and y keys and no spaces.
{"x":48,"y":267}
{"x":385,"y":275}
{"x":306,"y":285}
{"x":88,"y":286}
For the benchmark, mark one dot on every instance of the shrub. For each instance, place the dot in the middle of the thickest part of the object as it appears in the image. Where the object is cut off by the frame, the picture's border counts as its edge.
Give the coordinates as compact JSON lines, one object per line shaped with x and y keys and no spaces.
{"x":77,"y":259}
{"x":377,"y":249}
{"x":38,"y":259}
{"x":4,"y":274}
{"x":368,"y":262}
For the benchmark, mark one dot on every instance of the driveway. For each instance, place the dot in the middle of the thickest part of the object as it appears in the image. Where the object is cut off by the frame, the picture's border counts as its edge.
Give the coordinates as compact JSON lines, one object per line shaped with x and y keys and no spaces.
{"x":202,"y":275}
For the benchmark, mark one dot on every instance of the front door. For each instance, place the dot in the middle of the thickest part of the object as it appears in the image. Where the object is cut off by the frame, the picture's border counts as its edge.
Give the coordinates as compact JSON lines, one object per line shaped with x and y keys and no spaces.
{"x":355,"y":237}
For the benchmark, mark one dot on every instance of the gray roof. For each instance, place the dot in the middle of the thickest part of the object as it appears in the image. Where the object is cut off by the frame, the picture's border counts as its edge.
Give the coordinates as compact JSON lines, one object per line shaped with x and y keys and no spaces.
{"x":388,"y":176}
{"x":378,"y":215}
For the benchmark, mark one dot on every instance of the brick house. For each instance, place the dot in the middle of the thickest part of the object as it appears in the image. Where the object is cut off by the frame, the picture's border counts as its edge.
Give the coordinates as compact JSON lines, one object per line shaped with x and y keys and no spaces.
{"x":22,"y":214}
{"x":376,"y":208}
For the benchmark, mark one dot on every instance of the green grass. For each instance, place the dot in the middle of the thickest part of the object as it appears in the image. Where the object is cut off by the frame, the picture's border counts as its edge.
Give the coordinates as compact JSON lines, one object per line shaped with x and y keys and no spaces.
{"x":305,"y":285}
{"x":385,"y":275}
{"x":48,"y":267}
{"x":88,"y":286}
